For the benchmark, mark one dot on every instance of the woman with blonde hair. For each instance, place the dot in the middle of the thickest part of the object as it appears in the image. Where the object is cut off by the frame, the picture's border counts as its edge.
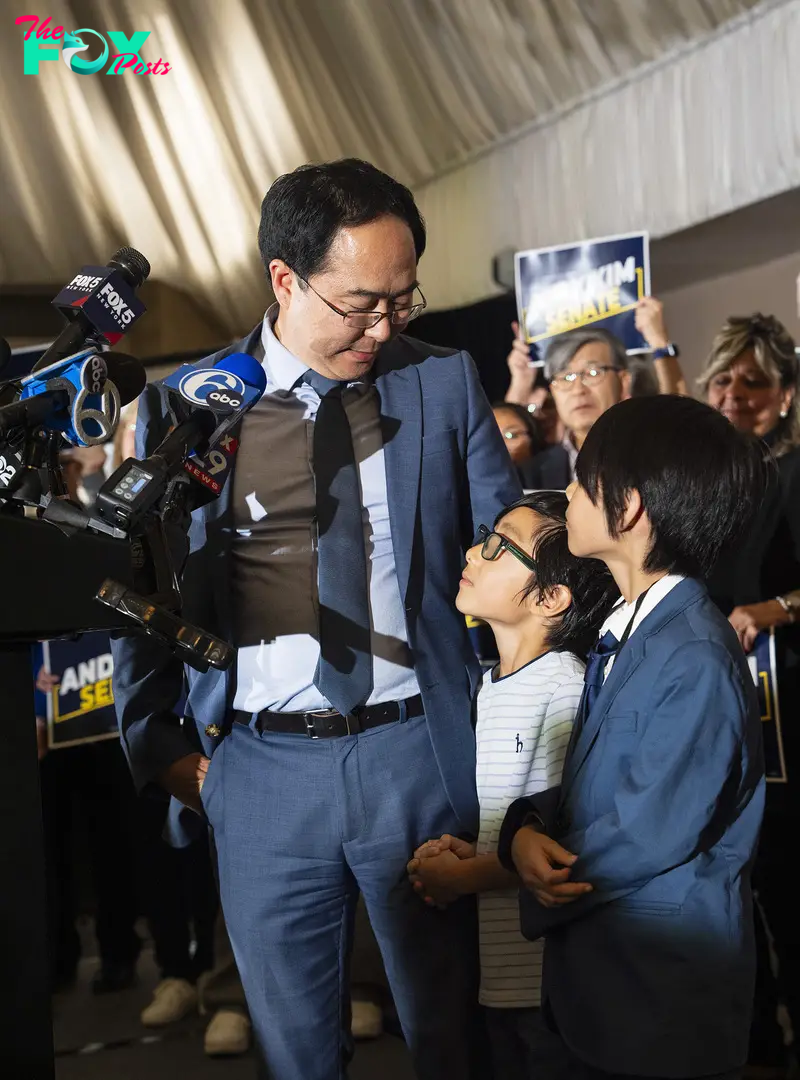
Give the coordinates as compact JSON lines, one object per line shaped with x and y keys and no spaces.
{"x":751,"y":376}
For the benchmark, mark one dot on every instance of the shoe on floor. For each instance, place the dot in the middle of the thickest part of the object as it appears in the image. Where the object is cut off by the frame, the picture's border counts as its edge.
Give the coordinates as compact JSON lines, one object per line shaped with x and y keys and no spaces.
{"x":367,"y":1020}
{"x":113,"y":977}
{"x":228,"y":1034}
{"x":172,"y":1000}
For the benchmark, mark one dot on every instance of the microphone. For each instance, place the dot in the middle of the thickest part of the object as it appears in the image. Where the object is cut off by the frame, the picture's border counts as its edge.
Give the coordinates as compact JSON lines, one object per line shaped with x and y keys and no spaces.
{"x":5,"y":355}
{"x":100,"y":304}
{"x":208,"y":403}
{"x":79,"y":397}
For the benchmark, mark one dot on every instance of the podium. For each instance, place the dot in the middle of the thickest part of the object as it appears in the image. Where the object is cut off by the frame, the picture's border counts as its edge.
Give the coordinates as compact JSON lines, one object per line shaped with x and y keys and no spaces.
{"x":48,"y":587}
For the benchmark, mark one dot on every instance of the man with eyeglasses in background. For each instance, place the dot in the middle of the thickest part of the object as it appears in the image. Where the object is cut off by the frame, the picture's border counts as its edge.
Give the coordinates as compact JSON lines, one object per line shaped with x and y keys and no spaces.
{"x":588,"y":371}
{"x":341,"y":738}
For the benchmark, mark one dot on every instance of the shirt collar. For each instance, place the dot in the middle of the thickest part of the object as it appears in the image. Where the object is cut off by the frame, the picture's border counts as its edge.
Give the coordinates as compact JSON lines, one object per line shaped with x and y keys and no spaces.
{"x":620,"y":615}
{"x":284,"y":370}
{"x":572,"y":452}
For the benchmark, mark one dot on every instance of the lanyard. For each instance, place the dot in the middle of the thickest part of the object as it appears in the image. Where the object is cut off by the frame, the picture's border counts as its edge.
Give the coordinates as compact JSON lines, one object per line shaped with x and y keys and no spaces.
{"x":636,"y":609}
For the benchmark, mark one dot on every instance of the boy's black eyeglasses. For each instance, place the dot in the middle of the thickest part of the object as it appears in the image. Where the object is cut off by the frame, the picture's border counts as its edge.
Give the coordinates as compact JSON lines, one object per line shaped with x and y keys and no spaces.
{"x":493,"y":545}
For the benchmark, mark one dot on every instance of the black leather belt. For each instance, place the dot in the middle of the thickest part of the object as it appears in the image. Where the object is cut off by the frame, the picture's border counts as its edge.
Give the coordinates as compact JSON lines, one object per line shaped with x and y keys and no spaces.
{"x":329,"y":724}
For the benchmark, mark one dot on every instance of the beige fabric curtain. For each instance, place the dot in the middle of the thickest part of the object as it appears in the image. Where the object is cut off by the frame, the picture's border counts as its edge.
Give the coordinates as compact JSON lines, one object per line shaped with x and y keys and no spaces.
{"x":177,"y":165}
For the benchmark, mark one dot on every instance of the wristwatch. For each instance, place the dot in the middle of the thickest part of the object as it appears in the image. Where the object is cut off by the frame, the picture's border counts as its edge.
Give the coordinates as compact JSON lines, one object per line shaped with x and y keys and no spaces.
{"x":788,"y":605}
{"x":668,"y":350}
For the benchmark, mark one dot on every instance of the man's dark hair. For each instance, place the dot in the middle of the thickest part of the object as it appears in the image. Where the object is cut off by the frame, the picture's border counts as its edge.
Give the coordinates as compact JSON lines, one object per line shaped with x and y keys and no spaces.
{"x":304,"y":210}
{"x":698,"y":478}
{"x":591,"y":585}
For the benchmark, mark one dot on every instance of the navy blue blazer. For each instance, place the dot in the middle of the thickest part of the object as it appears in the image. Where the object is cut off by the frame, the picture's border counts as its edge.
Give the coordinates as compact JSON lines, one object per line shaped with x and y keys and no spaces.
{"x":662,"y":796}
{"x":447,"y":471}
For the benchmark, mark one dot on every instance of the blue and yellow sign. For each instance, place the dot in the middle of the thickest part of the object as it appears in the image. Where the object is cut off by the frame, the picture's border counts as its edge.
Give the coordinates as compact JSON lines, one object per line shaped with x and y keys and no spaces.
{"x":763,"y":668}
{"x":595,"y":282}
{"x":80,"y":708}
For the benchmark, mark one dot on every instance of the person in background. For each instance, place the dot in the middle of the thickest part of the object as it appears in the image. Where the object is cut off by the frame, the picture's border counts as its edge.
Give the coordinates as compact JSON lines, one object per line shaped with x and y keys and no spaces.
{"x":545,"y":607}
{"x":522,"y":435}
{"x":124,"y":445}
{"x":528,"y":391}
{"x":589,"y":371}
{"x":87,"y":786}
{"x":751,"y":376}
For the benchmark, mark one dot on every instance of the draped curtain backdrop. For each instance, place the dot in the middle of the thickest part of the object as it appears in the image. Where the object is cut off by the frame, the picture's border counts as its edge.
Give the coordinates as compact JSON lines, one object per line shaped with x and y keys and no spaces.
{"x":517,"y":123}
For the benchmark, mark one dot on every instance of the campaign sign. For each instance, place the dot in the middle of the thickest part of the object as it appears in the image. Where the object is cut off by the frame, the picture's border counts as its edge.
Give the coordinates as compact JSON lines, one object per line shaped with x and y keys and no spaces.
{"x":81,"y":708}
{"x":763,"y":668}
{"x":592,"y":283}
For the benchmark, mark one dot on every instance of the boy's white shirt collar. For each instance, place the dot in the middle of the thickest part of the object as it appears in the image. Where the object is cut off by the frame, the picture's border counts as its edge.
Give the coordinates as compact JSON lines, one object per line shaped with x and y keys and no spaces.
{"x":620,"y":615}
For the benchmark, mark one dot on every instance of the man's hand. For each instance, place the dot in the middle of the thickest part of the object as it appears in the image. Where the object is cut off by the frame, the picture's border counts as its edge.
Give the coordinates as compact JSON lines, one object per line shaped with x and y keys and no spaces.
{"x":544,"y":867}
{"x":749,"y":619}
{"x":184,"y":779}
{"x":523,"y":376}
{"x":650,"y":322}
{"x":434,"y":878}
{"x":462,"y":849}
{"x":45,"y":682}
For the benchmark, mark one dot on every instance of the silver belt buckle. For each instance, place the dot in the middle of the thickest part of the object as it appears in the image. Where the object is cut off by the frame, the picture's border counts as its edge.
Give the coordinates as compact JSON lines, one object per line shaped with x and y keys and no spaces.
{"x":316,"y":712}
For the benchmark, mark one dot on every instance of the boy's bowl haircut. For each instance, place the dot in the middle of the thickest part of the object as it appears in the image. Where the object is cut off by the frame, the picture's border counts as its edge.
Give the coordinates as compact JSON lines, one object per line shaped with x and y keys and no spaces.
{"x":700,"y":481}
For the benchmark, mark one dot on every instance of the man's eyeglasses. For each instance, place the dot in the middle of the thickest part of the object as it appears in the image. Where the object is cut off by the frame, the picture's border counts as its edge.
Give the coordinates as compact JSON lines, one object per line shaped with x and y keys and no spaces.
{"x":493,"y":545}
{"x":590,"y":377}
{"x":365,"y":320}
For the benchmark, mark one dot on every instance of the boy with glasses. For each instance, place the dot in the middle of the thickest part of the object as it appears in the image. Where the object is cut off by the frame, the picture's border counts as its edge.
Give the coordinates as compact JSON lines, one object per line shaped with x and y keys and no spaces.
{"x":545,"y":607}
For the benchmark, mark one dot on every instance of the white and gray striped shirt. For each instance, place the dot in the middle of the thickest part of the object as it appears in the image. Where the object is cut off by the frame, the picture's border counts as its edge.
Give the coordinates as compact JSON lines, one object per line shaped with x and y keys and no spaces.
{"x":523,"y":729}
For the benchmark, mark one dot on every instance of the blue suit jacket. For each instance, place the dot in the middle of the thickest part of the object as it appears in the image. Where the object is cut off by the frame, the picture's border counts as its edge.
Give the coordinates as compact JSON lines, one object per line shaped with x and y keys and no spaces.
{"x":662,"y":797}
{"x":447,"y":471}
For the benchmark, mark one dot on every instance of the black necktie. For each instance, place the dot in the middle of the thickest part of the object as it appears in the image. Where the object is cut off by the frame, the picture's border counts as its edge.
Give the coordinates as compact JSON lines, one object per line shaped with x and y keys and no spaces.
{"x":344,"y":671}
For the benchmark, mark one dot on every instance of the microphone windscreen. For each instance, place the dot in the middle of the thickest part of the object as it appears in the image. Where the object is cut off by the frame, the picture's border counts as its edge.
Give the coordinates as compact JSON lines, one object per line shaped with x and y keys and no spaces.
{"x":247,"y":368}
{"x":133,"y":266}
{"x":128,"y":375}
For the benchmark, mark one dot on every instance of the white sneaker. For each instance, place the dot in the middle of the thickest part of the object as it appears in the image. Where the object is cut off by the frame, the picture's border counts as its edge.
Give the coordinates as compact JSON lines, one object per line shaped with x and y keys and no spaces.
{"x":172,"y":1000}
{"x":367,"y":1020}
{"x":228,"y":1034}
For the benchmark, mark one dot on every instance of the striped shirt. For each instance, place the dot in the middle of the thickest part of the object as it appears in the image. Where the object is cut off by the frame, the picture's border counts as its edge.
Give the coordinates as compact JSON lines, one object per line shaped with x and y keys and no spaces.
{"x":523,"y":729}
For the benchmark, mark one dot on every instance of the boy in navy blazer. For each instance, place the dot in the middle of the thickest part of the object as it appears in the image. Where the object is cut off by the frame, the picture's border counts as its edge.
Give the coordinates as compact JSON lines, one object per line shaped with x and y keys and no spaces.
{"x":637,"y":869}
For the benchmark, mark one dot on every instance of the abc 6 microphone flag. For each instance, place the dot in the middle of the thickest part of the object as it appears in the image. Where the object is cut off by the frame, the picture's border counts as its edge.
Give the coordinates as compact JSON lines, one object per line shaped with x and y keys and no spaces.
{"x":214,"y":388}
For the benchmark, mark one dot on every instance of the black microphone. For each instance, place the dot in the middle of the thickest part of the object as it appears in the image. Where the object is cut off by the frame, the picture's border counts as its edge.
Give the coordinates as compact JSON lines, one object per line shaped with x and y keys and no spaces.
{"x":214,"y":400}
{"x":5,"y":355}
{"x":100,"y":303}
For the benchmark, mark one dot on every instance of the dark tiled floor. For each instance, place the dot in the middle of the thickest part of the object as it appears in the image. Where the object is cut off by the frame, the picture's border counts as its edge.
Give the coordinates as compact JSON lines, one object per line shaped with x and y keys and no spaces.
{"x":86,"y":1027}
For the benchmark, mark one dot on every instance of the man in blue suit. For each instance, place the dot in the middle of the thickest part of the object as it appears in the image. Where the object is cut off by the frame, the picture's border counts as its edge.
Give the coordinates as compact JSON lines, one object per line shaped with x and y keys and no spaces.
{"x":341,"y":738}
{"x":638,"y":866}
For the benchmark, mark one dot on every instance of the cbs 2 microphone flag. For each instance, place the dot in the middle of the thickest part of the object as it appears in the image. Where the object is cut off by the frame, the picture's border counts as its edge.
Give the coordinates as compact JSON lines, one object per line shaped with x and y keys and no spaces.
{"x":591,"y":283}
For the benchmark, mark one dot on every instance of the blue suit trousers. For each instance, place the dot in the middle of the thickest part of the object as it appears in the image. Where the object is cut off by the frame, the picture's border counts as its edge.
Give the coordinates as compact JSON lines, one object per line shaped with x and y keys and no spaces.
{"x":300,"y":826}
